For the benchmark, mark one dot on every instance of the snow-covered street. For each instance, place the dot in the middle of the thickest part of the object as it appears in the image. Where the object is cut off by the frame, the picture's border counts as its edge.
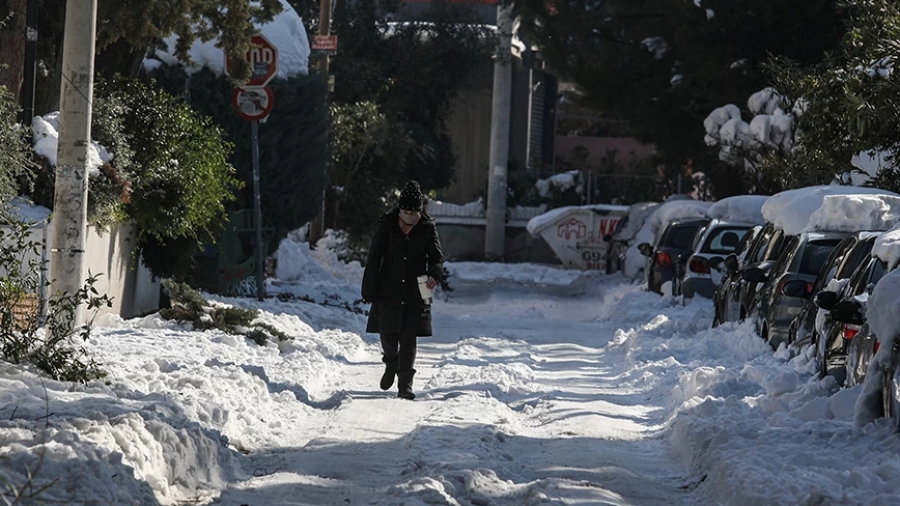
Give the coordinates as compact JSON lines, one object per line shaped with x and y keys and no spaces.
{"x":526,"y":408}
{"x":540,"y":386}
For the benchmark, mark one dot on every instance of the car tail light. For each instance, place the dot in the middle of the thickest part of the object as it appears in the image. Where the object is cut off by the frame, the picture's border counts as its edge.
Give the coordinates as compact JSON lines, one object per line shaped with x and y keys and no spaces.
{"x":663,"y":259}
{"x":850,"y":331}
{"x":699,"y":265}
{"x":876,"y":347}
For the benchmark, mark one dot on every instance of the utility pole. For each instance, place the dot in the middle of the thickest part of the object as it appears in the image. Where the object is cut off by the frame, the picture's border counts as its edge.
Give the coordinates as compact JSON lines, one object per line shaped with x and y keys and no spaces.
{"x":317,"y":225}
{"x":70,"y":201}
{"x":495,"y":226}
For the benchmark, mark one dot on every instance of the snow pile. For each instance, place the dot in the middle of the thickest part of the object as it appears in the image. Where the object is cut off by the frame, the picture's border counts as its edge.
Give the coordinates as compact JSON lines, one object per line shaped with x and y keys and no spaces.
{"x":791,"y":210}
{"x":286,"y":32}
{"x":849,"y":213}
{"x":46,"y":143}
{"x":561,"y":182}
{"x":297,"y":262}
{"x":27,"y":211}
{"x":742,"y":208}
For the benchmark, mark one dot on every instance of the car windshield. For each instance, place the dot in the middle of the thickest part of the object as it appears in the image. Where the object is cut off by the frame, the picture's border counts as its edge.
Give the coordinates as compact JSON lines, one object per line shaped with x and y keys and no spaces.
{"x":814,"y":255}
{"x":680,"y":236}
{"x":724,"y":240}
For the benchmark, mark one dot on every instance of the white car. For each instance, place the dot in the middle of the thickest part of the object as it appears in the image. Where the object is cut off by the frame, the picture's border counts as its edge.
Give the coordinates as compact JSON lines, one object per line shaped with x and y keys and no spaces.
{"x":717,"y":239}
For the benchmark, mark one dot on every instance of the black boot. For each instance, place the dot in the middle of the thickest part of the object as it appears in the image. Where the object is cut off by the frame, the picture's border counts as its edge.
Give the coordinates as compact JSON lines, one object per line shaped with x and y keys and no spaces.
{"x":404,"y":383}
{"x":390,"y":371}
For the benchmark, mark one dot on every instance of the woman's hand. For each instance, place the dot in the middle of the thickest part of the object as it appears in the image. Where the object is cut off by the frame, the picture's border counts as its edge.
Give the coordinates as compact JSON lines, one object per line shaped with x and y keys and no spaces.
{"x":431,"y":283}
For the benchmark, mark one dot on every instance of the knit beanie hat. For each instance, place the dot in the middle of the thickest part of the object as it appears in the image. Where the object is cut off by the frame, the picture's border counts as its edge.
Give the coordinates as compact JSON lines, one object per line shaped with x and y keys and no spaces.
{"x":411,"y":196}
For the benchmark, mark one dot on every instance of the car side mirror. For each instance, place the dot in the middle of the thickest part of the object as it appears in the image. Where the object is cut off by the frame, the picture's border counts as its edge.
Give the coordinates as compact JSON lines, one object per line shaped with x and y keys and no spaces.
{"x":607,"y":237}
{"x":645,"y":249}
{"x":825,"y":299}
{"x":754,"y":275}
{"x":796,"y":288}
{"x":848,"y":311}
{"x":731,"y":263}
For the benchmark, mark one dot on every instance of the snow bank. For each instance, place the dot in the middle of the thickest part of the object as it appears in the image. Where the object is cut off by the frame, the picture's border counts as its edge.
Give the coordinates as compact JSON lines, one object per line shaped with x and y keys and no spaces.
{"x":791,"y":210}
{"x":286,"y":32}
{"x":742,"y":208}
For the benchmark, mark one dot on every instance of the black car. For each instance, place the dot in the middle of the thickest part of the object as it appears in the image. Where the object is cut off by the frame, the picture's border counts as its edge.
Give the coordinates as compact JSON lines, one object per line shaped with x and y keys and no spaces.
{"x":663,"y":258}
{"x":738,"y":296}
{"x":729,"y":267}
{"x":846,"y":318}
{"x":844,"y":259}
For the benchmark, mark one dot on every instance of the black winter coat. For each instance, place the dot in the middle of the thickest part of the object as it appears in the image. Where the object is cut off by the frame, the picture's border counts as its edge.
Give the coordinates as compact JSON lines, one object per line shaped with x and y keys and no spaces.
{"x":394,"y":262}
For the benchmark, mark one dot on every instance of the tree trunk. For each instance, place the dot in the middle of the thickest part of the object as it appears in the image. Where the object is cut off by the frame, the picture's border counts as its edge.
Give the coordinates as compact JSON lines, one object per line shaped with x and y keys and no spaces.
{"x":12,"y":45}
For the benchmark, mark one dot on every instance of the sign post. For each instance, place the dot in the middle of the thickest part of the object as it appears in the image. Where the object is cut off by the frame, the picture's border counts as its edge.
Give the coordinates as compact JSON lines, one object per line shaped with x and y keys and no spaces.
{"x":254,"y":101}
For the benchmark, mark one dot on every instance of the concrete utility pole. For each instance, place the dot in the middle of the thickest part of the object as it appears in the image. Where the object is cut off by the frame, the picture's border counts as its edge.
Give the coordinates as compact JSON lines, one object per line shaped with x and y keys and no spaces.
{"x":317,"y":225}
{"x":70,"y":201}
{"x":495,"y":228}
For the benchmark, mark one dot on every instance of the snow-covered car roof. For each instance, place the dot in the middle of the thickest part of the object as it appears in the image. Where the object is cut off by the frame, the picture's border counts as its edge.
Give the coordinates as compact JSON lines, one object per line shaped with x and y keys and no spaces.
{"x":802,"y":209}
{"x":678,"y":210}
{"x":741,"y":208}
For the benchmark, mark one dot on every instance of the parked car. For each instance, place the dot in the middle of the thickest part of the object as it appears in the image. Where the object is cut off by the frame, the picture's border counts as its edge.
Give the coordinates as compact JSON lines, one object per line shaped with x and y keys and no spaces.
{"x":662,"y":257}
{"x":728,"y":268}
{"x":784,"y":290}
{"x":715,"y":240}
{"x":840,"y":264}
{"x":847,"y":317}
{"x":626,"y":230}
{"x":739,"y":294}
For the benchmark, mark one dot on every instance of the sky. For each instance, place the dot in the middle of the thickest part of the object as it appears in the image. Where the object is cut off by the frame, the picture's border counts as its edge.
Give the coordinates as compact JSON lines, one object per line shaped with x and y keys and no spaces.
{"x":540,"y":386}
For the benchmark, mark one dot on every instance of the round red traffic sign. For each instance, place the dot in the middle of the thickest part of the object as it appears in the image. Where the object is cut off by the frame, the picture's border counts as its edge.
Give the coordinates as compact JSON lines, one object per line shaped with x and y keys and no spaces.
{"x":263,"y":59}
{"x":253,"y":102}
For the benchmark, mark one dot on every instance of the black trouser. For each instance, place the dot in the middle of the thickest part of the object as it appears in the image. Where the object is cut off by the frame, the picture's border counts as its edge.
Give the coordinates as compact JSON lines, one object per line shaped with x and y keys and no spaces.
{"x":400,"y":345}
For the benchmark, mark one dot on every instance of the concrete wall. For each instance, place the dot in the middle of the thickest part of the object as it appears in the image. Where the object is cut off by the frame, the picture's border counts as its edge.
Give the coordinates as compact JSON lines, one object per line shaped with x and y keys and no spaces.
{"x":133,"y":290}
{"x":122,"y":277}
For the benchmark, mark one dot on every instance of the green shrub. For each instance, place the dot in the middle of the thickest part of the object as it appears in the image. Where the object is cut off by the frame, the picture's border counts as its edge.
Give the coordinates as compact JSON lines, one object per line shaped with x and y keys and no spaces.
{"x":177,"y":166}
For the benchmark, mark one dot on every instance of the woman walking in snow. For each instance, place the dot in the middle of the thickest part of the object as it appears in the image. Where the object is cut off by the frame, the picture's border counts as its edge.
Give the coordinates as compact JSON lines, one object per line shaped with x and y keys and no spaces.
{"x":405,"y":253}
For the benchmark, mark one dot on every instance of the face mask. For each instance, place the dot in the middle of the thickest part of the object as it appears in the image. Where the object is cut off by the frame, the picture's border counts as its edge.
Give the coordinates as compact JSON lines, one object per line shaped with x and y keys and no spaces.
{"x":409,"y":218}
